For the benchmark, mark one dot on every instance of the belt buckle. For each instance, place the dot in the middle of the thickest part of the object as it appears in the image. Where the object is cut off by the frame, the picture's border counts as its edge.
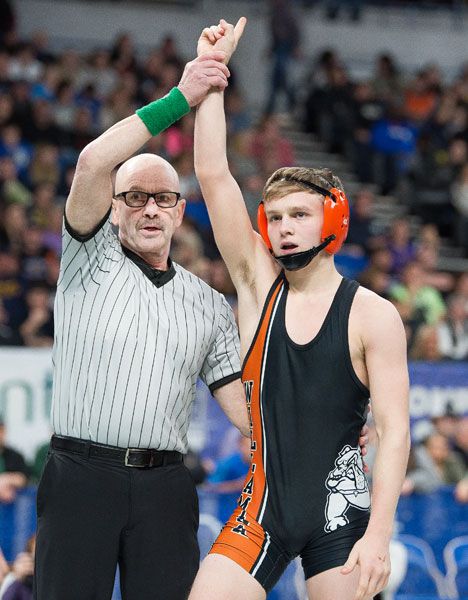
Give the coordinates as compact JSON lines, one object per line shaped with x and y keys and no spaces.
{"x":127,"y":454}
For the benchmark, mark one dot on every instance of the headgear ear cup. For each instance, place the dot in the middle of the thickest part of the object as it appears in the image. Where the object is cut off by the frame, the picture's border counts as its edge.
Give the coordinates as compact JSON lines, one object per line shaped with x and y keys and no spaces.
{"x":263,"y":225}
{"x":335,"y":219}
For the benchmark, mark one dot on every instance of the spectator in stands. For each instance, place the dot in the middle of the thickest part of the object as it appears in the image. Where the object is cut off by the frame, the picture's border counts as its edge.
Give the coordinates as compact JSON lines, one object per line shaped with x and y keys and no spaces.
{"x":24,"y":65}
{"x":46,"y":86}
{"x":39,"y":127}
{"x":377,"y":276}
{"x":394,"y":140}
{"x":117,"y":106}
{"x":44,"y":167}
{"x":12,"y":289}
{"x":179,"y":137}
{"x":40,"y":43}
{"x":387,"y":81}
{"x":100,"y":73}
{"x":237,"y":115}
{"x":43,"y":203}
{"x":417,"y":300}
{"x":70,"y":65}
{"x":447,"y":465}
{"x":13,"y":470}
{"x":81,"y":131}
{"x":13,"y":146}
{"x":420,"y":97}
{"x":38,"y":328}
{"x":432,"y":464}
{"x":316,"y":84}
{"x":20,"y":95}
{"x":400,"y":244}
{"x":269,"y":148}
{"x":8,"y":335}
{"x":434,"y":167}
{"x":123,"y":54}
{"x":446,"y":423}
{"x":424,"y":344}
{"x":4,"y":76}
{"x":428,"y":257}
{"x":364,"y":232}
{"x":11,"y":188}
{"x":228,"y":477}
{"x":453,"y":330}
{"x":52,"y":232}
{"x":6,"y":109}
{"x":367,"y":109}
{"x":284,"y":47}
{"x":33,"y":256}
{"x":188,"y":181}
{"x":420,"y":476}
{"x":187,"y":247}
{"x":64,"y":107}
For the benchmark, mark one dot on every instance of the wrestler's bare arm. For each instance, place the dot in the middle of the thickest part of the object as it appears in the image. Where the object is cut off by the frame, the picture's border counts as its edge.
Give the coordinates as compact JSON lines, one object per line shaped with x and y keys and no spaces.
{"x":384,"y":343}
{"x":250,"y":265}
{"x":231,"y":398}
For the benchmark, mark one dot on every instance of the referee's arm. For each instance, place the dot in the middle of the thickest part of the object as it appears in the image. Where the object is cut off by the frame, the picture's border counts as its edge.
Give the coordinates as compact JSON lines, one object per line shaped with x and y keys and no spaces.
{"x":91,"y":193}
{"x":231,"y":398}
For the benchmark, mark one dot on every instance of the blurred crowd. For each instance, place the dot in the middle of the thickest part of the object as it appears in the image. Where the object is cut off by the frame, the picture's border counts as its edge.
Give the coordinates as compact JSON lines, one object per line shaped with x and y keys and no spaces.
{"x":400,"y":132}
{"x":406,"y":136}
{"x":405,"y":132}
{"x":52,"y":104}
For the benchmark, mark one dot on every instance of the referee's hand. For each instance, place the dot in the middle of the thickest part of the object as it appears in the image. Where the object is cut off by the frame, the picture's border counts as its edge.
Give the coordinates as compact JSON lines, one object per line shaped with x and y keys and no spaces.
{"x":202,"y":74}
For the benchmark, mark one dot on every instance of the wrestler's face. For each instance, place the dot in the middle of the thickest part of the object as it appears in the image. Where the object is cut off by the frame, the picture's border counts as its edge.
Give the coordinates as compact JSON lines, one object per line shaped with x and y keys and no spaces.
{"x":294,"y":222}
{"x":147,"y":230}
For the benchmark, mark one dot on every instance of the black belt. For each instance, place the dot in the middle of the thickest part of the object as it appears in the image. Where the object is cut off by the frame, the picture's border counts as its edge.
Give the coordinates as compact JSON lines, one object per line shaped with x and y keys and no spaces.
{"x":130,"y":457}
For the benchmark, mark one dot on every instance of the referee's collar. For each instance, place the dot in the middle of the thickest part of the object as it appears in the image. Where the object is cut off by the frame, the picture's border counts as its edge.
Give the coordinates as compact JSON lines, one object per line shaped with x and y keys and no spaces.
{"x":157,"y":277}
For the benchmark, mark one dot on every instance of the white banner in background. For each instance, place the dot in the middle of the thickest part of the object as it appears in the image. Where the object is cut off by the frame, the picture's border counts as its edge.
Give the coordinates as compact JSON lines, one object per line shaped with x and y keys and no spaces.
{"x":25,"y":397}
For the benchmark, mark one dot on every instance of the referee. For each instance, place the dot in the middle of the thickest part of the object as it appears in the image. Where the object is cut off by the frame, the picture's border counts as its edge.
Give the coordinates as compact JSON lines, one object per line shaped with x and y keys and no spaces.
{"x":134,"y":331}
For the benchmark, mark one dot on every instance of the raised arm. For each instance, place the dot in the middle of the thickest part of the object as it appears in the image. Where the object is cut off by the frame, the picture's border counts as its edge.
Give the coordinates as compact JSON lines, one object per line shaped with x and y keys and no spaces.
{"x":238,"y":243}
{"x":385,"y":352}
{"x":91,"y":192}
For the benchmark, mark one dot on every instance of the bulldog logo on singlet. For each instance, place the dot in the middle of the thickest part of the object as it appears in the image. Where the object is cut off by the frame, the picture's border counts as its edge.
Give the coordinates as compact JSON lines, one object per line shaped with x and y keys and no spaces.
{"x":347,"y":487}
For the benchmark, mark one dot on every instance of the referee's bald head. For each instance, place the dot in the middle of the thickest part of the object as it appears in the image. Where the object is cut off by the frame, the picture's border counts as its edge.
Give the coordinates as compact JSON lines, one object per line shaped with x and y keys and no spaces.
{"x":148,"y":170}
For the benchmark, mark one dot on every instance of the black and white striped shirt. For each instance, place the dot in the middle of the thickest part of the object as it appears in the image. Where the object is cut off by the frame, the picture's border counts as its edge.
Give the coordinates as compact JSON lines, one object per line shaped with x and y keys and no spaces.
{"x":130,"y":345}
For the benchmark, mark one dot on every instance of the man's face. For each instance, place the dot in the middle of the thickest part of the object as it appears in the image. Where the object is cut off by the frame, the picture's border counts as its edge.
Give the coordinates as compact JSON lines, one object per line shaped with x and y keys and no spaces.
{"x":147,"y":230}
{"x":294,"y":222}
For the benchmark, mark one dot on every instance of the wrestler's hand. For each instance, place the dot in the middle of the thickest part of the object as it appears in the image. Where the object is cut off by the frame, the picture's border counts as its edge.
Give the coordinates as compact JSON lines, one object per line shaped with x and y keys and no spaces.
{"x":363,"y":441}
{"x":371,"y":554}
{"x":203,"y":74}
{"x":223,"y":37}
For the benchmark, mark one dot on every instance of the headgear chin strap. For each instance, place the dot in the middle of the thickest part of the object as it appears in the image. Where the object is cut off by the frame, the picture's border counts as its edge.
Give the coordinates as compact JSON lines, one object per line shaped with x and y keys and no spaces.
{"x":299,"y":260}
{"x":334,"y":229}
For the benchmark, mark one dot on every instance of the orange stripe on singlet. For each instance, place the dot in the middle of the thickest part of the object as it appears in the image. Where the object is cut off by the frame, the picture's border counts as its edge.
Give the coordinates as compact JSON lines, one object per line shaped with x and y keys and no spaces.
{"x":243,"y":538}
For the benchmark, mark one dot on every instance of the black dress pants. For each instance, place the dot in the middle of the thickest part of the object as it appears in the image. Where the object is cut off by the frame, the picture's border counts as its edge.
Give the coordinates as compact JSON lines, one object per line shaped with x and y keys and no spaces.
{"x":94,"y":514}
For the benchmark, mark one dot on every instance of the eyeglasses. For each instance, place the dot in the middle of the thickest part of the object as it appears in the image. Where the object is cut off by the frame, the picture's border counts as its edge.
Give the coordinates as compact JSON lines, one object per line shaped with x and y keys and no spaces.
{"x":137,"y":199}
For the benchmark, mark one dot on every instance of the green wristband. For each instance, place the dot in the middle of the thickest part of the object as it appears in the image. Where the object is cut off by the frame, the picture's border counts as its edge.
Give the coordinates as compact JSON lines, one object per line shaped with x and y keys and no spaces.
{"x":160,"y":114}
